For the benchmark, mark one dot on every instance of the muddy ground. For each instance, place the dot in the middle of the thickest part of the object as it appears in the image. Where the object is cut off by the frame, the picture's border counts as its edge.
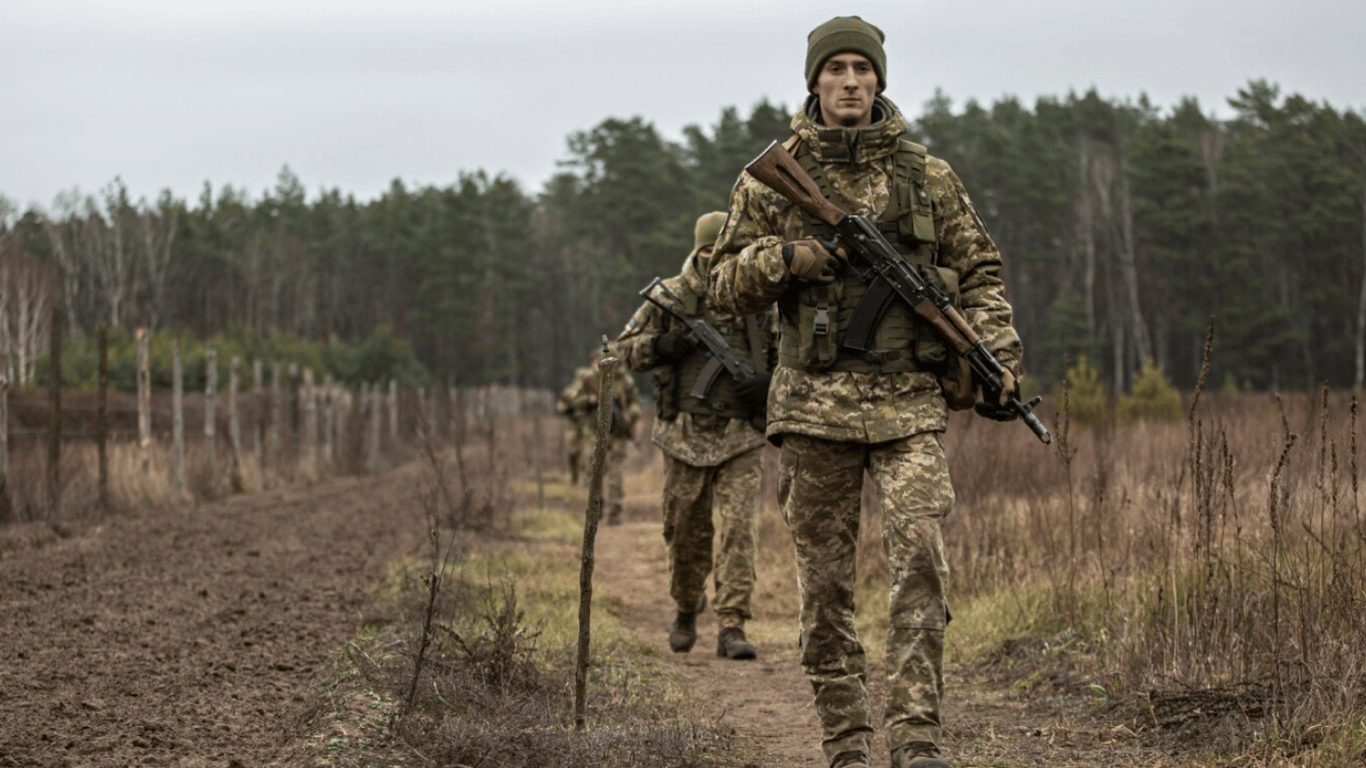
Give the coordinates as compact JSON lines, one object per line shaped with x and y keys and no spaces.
{"x":195,"y":637}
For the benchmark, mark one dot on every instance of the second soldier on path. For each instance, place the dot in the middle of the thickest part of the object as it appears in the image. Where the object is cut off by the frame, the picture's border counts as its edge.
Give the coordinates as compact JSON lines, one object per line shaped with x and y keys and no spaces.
{"x":712,"y":448}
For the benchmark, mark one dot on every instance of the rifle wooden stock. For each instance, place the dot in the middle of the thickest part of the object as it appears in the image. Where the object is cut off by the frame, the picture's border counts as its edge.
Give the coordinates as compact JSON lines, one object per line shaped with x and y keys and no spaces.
{"x":777,"y":168}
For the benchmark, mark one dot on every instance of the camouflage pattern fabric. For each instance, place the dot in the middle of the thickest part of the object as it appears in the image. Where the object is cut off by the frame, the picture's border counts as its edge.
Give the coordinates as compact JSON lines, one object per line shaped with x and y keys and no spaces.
{"x":702,"y":441}
{"x":576,"y":425}
{"x":748,"y":274}
{"x":835,"y":425}
{"x":613,"y":484}
{"x":691,"y":494}
{"x":820,"y":484}
{"x":581,"y":396}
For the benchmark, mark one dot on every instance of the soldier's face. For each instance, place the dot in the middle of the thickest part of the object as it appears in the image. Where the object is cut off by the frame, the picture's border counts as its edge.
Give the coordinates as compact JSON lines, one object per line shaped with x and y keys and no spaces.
{"x":846,"y":86}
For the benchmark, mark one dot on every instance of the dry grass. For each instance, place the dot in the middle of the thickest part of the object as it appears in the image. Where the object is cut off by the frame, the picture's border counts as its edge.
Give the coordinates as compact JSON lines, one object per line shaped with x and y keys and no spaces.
{"x":1214,"y":568}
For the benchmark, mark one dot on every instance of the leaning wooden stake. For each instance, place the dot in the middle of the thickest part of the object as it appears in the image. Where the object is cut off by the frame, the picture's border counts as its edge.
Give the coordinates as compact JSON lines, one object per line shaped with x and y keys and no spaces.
{"x":607,"y":367}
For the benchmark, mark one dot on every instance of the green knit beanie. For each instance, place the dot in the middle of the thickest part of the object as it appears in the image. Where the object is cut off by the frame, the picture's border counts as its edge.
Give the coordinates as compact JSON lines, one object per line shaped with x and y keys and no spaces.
{"x":845,"y":33}
{"x":707,"y":229}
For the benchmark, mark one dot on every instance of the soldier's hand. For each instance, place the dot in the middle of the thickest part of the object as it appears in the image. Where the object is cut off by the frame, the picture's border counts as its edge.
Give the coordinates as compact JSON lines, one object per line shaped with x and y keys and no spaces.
{"x":814,"y":260}
{"x":754,"y":393}
{"x":1007,"y":387}
{"x":671,"y":346}
{"x":995,"y":406}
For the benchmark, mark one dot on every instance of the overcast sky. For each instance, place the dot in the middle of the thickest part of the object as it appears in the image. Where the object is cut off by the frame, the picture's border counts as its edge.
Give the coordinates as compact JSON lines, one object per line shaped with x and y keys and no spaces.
{"x":350,"y":95}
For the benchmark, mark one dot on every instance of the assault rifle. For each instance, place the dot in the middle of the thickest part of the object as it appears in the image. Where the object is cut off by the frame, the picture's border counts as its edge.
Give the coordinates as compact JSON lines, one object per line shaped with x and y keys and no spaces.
{"x":888,"y":277}
{"x":701,"y":331}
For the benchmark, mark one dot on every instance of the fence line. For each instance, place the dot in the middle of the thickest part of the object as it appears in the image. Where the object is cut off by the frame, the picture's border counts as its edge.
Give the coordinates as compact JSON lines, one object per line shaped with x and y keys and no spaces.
{"x":297,"y":425}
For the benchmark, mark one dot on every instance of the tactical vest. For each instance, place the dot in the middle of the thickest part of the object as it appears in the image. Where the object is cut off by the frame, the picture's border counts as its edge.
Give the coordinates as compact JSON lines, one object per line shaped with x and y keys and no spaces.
{"x":674,"y":381}
{"x":815,"y":318}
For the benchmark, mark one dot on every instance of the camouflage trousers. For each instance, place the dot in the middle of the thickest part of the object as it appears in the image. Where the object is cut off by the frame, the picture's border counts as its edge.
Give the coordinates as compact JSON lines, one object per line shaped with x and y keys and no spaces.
{"x":613,"y":482}
{"x":573,"y":445}
{"x":819,"y":489}
{"x":691,"y":495}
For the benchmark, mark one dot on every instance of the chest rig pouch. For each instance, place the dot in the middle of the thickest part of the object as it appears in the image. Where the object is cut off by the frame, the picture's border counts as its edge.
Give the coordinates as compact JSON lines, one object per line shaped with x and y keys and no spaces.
{"x":675,"y":382}
{"x":850,"y":325}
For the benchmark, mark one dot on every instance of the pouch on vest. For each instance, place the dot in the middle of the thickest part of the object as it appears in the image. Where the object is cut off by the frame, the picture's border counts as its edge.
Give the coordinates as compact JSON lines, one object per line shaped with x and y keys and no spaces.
{"x":817,"y":317}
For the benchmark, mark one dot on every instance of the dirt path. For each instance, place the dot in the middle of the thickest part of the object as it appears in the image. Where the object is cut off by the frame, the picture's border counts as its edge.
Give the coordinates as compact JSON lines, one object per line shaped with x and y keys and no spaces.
{"x":768,"y":701}
{"x":187,"y":637}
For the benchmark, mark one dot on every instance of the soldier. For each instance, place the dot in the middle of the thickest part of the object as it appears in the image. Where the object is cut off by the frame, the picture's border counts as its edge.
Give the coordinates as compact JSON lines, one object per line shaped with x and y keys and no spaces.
{"x":713,"y":458}
{"x":837,"y":413}
{"x":581,"y":396}
{"x":576,"y":422}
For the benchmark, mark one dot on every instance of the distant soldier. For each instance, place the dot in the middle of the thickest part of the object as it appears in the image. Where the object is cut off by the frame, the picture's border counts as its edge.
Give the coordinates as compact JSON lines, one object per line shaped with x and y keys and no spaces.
{"x":712,"y":444}
{"x":581,"y":396}
{"x":576,"y":422}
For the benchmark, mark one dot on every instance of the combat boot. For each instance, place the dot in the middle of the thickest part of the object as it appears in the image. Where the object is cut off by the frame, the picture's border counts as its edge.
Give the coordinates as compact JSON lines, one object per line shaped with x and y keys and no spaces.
{"x":850,"y":759}
{"x":683,"y":633}
{"x":918,"y":754}
{"x":731,"y":644}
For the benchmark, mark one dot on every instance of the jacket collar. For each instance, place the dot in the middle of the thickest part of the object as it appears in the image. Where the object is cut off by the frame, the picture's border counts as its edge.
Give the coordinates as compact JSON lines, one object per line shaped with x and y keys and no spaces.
{"x":852,"y":146}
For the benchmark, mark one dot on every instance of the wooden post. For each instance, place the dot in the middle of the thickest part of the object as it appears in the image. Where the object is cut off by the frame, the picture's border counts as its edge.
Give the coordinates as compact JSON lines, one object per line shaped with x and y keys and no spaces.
{"x":54,"y":417}
{"x":329,"y":419}
{"x":432,"y":423}
{"x":235,"y":423}
{"x":310,"y":407}
{"x":606,"y":371}
{"x":210,"y":413}
{"x":5,"y":512}
{"x":259,"y":423}
{"x":372,"y":464}
{"x":276,"y":413}
{"x":102,"y":421}
{"x":292,"y":411}
{"x":144,"y":405}
{"x":178,"y":414}
{"x":393,"y":410}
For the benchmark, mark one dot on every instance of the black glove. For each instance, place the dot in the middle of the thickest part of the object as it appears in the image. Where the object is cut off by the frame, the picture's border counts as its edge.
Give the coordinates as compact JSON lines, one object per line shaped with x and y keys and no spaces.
{"x":753,"y":394}
{"x":671,"y":346}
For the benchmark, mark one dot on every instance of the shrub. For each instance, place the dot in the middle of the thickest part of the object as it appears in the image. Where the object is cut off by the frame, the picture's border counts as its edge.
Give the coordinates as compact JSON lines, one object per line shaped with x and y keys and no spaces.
{"x":1153,"y":397}
{"x":1086,"y":395}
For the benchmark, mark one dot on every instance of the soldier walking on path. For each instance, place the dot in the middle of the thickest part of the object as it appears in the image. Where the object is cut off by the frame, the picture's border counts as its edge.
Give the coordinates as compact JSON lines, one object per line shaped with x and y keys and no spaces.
{"x":713,"y":458}
{"x":838,"y":412}
{"x":581,"y":397}
{"x":576,"y":423}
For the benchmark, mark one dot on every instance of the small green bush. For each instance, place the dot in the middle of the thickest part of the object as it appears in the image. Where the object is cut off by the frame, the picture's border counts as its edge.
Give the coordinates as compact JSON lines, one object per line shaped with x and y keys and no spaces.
{"x":1086,"y":395}
{"x":1153,"y":397}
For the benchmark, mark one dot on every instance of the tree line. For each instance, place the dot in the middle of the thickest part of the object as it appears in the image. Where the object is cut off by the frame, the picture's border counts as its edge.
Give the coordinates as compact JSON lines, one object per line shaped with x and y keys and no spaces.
{"x":1129,"y":231}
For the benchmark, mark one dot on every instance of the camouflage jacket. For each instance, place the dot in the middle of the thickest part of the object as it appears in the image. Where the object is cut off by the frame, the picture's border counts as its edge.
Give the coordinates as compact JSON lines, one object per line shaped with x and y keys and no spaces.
{"x":580,"y":399}
{"x":565,"y":403}
{"x":701,"y":440}
{"x":748,"y":273}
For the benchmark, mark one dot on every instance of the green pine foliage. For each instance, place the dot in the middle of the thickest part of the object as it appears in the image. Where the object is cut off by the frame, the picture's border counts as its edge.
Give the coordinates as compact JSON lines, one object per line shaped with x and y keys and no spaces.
{"x":379,"y":358}
{"x":1153,"y":398}
{"x":1127,"y":230}
{"x":1085,"y":394}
